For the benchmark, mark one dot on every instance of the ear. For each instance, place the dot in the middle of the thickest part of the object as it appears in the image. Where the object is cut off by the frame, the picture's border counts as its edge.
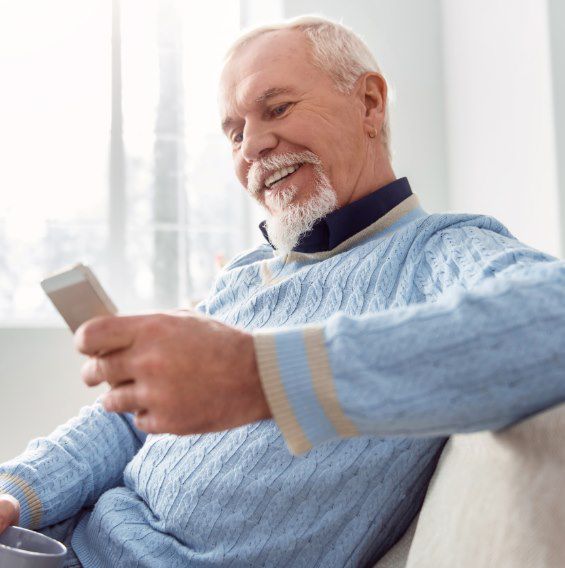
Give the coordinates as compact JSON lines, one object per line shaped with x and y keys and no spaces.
{"x":372,"y":92}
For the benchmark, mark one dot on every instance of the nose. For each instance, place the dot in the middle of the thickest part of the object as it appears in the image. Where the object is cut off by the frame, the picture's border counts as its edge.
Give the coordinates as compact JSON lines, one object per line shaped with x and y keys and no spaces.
{"x":258,"y":140}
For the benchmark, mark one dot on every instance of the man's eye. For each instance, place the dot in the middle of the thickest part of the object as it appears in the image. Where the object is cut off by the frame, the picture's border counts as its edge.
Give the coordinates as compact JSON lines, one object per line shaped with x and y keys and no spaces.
{"x":280,"y":110}
{"x":238,"y":138}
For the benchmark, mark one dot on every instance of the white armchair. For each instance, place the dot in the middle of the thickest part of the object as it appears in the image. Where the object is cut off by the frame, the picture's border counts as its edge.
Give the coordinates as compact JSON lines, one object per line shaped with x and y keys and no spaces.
{"x":496,"y":500}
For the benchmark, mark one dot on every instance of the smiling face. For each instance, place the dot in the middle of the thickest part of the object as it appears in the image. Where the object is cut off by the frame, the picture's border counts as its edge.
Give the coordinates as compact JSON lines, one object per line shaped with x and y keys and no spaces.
{"x":294,"y":135}
{"x":274,"y":101}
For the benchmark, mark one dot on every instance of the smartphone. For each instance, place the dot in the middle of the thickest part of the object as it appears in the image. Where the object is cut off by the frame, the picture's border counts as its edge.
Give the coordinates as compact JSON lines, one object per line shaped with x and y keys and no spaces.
{"x":77,"y":295}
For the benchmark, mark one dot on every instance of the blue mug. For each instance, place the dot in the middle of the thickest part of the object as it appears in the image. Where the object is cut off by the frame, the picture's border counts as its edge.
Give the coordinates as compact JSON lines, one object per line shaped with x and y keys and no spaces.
{"x":22,"y":548}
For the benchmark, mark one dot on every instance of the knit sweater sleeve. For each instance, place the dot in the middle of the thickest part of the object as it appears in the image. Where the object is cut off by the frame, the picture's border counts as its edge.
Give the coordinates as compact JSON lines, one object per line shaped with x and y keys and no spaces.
{"x":59,"y":474}
{"x":488,"y":351}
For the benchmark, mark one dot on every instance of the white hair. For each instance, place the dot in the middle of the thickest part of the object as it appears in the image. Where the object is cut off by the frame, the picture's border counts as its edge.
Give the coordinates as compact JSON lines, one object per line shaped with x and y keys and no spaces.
{"x":336,"y":50}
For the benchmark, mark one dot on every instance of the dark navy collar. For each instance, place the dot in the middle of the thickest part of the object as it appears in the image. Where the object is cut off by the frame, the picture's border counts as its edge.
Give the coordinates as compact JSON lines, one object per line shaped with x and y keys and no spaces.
{"x":339,"y":225}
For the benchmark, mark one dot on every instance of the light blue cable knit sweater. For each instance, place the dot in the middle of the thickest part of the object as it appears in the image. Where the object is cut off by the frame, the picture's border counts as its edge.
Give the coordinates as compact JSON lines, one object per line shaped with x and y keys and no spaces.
{"x":423,"y":325}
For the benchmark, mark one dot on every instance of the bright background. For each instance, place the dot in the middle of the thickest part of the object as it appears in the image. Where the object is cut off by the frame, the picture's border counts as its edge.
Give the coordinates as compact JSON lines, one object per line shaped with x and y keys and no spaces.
{"x":111,"y":151}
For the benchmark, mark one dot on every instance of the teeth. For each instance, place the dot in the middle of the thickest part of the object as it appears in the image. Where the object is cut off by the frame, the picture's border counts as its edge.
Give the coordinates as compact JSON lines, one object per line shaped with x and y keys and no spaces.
{"x":280,"y":174}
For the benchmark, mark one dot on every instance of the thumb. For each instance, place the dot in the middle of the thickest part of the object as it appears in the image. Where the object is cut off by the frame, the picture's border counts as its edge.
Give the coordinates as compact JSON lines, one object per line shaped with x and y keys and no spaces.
{"x":9,"y":511}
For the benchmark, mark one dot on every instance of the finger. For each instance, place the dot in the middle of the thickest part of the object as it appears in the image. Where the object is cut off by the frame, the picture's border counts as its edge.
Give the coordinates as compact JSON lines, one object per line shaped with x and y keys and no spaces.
{"x":147,"y":422}
{"x":113,"y":369}
{"x":105,"y":334}
{"x":5,"y":516}
{"x":124,"y":398}
{"x":9,"y":512}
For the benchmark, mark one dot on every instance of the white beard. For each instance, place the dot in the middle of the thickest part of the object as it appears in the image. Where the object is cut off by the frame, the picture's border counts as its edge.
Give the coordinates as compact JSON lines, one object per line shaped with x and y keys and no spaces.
{"x":286,"y":228}
{"x":287,"y":222}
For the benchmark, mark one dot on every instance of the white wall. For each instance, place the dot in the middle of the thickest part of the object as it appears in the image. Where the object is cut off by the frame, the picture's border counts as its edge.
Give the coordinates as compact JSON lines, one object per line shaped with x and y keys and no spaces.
{"x":40,"y":385}
{"x":500,"y":116}
{"x":556,"y":15}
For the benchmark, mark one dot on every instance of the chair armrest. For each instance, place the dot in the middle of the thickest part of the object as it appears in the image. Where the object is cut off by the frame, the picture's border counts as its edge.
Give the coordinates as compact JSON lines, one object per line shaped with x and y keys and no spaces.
{"x":496,"y":499}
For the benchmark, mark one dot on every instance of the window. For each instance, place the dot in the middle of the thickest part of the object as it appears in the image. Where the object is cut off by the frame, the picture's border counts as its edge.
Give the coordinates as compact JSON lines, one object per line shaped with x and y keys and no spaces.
{"x":112,"y":153}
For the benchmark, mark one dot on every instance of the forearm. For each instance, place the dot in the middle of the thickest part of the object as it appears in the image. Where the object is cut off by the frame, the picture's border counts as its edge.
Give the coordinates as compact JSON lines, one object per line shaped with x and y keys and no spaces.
{"x":476,"y":359}
{"x":59,"y":474}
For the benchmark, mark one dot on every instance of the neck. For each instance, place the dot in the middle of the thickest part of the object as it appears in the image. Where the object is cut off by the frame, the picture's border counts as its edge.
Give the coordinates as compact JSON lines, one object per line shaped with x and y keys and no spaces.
{"x":378,"y":174}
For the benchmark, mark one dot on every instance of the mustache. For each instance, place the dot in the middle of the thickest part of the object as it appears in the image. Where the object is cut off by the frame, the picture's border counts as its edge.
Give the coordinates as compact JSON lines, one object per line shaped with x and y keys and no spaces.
{"x":262,"y":167}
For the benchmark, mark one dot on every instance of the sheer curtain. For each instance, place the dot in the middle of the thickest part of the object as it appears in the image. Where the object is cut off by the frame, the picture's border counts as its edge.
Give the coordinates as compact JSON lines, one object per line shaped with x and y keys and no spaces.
{"x":111,"y":151}
{"x":184,"y":208}
{"x":54,"y":116}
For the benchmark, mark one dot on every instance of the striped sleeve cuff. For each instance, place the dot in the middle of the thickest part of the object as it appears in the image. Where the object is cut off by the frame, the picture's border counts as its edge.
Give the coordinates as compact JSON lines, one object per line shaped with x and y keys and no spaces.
{"x":298,"y":383}
{"x":30,"y":505}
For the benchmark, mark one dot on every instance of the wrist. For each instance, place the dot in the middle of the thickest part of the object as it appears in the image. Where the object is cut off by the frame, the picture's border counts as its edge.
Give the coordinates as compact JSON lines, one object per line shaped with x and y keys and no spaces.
{"x":258,"y":408}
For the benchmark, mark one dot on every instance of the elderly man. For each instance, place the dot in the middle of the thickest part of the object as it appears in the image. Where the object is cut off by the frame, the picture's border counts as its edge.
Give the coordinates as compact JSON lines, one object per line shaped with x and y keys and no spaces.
{"x":368,"y":329}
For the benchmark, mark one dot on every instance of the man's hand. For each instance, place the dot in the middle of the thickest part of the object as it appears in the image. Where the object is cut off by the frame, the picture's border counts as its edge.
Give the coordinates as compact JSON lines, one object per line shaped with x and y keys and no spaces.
{"x":181,"y":373}
{"x":9,"y":511}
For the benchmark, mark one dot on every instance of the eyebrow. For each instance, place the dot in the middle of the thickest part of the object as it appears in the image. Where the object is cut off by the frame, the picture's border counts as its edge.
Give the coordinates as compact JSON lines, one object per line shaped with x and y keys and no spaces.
{"x":262,"y":98}
{"x":272,"y":92}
